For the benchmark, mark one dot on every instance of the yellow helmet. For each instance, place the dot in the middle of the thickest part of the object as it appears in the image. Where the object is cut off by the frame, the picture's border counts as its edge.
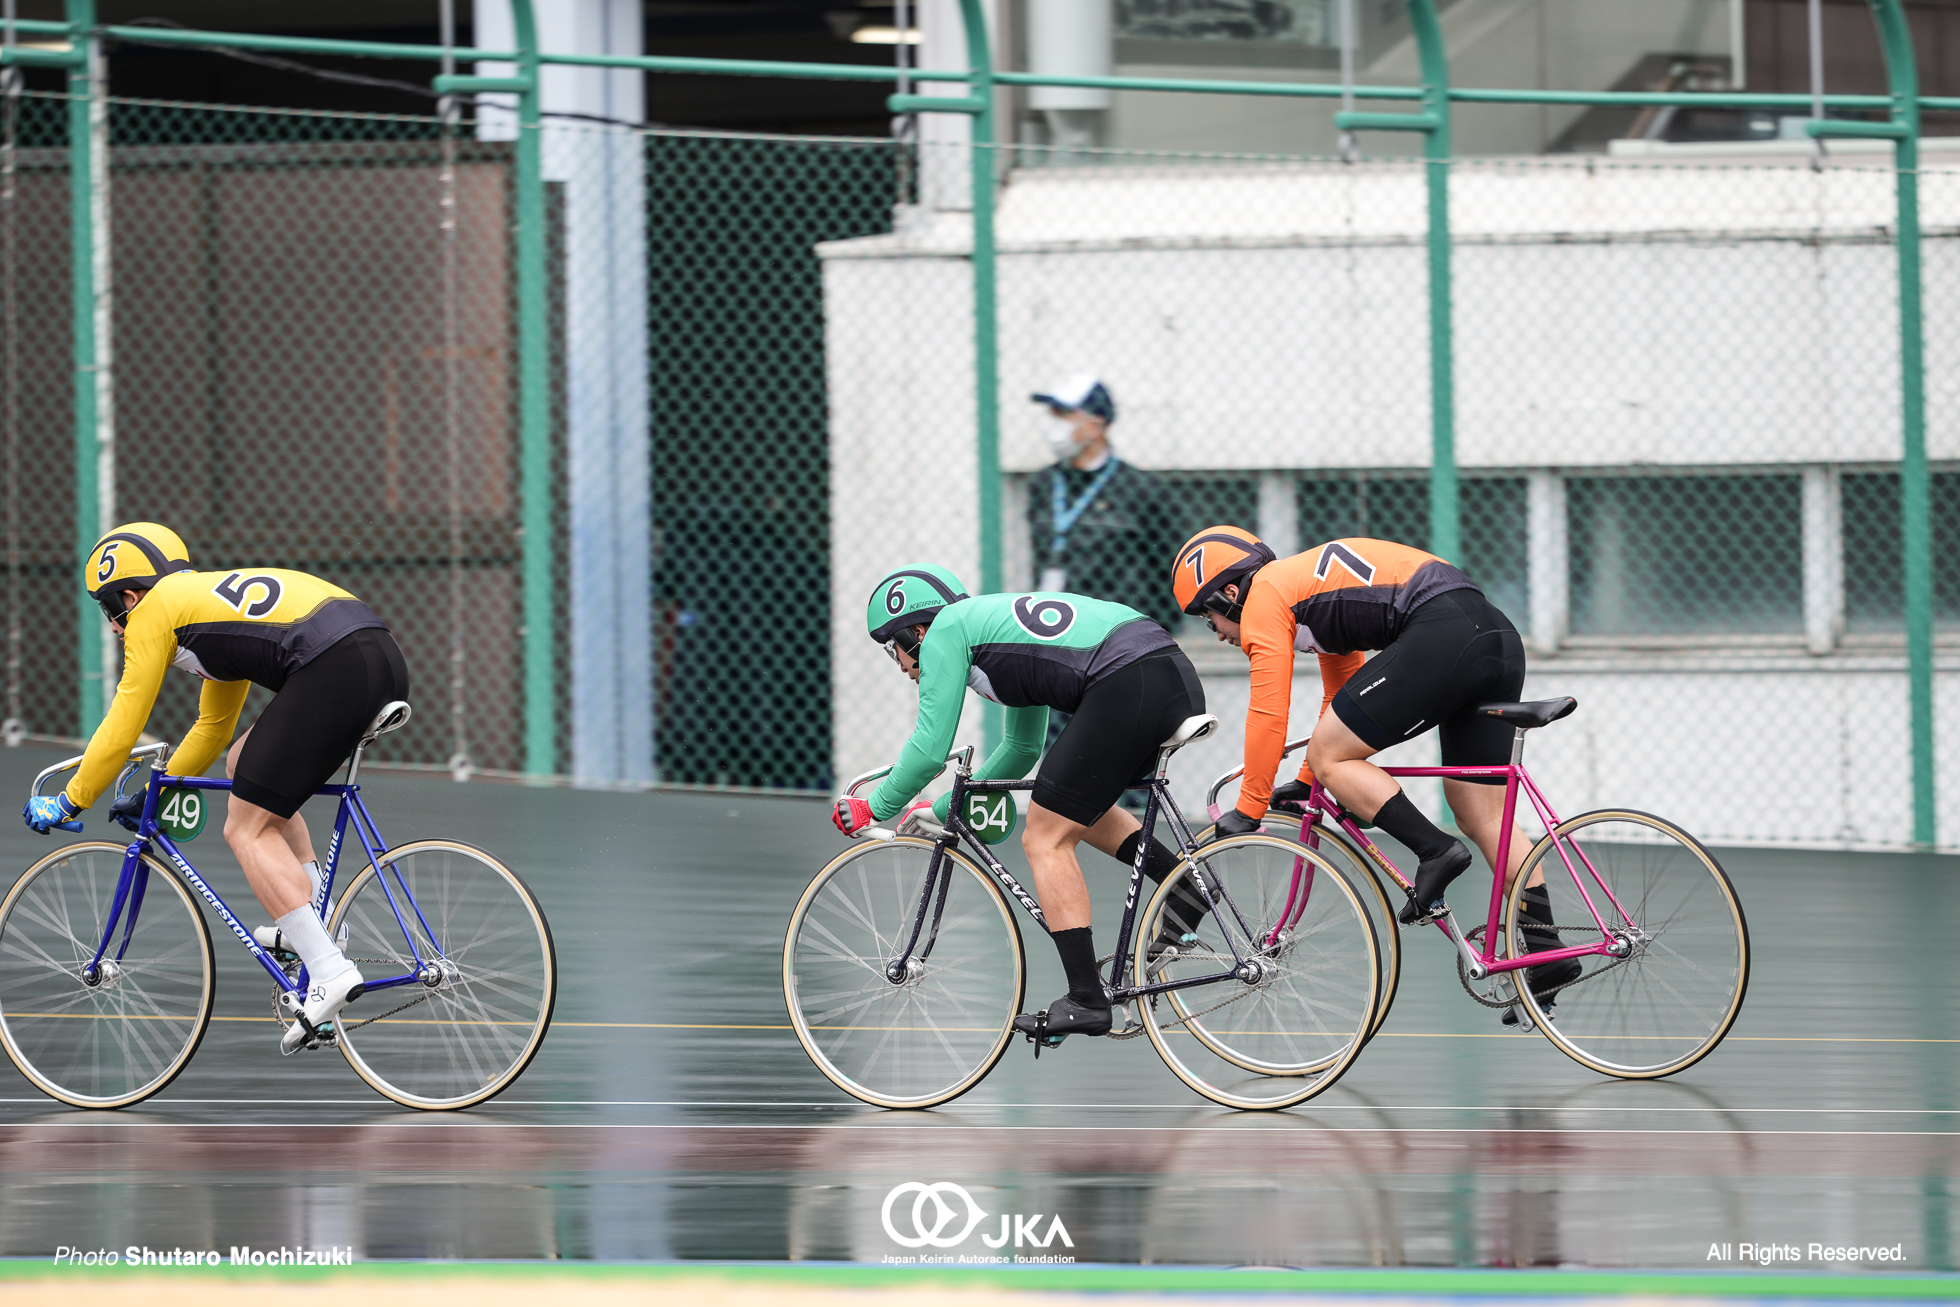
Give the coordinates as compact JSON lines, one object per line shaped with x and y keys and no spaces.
{"x":132,"y":557}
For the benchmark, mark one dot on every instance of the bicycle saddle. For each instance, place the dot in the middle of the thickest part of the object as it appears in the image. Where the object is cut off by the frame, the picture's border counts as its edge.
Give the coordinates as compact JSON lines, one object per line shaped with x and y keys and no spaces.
{"x":1539,"y":712}
{"x":1193,"y":728}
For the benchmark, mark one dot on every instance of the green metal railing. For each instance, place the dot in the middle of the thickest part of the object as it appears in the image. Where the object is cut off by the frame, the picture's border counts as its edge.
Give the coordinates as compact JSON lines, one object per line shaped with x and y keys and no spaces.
{"x":1434,"y":98}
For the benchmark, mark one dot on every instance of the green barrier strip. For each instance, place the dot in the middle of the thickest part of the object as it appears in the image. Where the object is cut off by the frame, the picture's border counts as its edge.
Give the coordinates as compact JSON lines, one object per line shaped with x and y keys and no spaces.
{"x":1105,"y":1279}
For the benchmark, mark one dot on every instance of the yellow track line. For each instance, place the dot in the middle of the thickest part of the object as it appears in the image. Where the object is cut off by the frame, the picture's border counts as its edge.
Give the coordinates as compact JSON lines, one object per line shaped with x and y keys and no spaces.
{"x":1381,"y":1034}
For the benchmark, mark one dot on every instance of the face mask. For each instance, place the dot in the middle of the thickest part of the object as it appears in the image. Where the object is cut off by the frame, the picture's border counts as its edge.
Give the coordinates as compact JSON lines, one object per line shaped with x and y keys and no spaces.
{"x":1064,"y":438}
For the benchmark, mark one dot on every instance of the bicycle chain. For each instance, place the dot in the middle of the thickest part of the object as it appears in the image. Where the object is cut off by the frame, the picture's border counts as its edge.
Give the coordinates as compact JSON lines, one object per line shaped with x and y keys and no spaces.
{"x":391,"y":1012}
{"x":1131,"y":1032}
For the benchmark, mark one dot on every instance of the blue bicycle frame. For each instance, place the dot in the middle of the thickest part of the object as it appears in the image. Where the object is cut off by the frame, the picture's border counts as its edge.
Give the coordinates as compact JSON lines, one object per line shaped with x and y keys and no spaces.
{"x":135,"y":880}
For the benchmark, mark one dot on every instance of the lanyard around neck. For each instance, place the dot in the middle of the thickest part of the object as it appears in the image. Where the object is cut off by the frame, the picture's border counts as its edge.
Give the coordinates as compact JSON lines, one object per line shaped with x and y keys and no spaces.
{"x":1066,"y":516}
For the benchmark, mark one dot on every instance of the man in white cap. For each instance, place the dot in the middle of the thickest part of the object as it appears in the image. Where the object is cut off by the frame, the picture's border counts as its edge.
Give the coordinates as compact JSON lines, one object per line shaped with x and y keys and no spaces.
{"x":1095,"y":520}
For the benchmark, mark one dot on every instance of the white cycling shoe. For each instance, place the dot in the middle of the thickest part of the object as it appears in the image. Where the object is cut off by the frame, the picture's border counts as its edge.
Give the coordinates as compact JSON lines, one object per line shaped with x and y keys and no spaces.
{"x":324,"y":999}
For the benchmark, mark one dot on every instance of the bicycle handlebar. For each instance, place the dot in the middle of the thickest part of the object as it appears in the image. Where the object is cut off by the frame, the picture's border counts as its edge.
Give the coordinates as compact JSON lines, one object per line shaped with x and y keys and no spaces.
{"x":1211,"y":795}
{"x":963,"y":755}
{"x":157,"y":750}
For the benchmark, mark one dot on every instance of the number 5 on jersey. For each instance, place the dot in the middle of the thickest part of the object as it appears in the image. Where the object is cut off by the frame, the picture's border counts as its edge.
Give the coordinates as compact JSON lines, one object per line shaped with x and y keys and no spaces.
{"x":237,"y":588}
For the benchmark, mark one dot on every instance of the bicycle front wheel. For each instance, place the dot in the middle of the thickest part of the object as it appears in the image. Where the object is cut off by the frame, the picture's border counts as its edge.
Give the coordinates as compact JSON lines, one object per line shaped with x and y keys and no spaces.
{"x":1672,"y":996}
{"x":1309,"y":976}
{"x":484,"y":987}
{"x":123,"y":1033}
{"x":933,"y":1033}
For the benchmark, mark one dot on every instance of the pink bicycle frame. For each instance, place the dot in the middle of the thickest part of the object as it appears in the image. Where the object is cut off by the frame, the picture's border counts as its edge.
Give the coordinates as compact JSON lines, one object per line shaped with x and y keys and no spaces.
{"x":1322,"y":806}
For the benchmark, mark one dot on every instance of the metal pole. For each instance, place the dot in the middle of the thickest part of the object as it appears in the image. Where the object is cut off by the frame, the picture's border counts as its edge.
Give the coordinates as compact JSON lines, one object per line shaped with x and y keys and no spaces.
{"x":534,"y":414}
{"x":88,"y":397}
{"x":1445,"y":520}
{"x":1350,"y":148}
{"x":1818,"y":155}
{"x":1914,"y":482}
{"x":1445,"y":537}
{"x":986,"y":345}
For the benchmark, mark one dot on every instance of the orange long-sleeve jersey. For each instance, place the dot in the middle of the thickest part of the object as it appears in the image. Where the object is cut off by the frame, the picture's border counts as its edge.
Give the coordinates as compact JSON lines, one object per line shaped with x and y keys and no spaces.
{"x":1335,"y":600}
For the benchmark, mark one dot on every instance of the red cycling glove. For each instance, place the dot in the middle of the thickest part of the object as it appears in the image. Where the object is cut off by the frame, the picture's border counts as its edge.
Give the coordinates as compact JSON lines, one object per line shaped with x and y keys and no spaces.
{"x":851,"y":815}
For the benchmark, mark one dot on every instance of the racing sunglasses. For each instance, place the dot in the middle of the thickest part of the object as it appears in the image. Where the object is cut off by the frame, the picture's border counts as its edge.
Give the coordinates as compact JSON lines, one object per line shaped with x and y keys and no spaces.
{"x":112,"y":608}
{"x":1215,"y":603}
{"x":902,"y":641}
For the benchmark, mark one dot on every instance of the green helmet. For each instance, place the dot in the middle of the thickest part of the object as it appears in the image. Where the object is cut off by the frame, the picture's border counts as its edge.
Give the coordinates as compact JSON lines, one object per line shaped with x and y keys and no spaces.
{"x":910,"y":596}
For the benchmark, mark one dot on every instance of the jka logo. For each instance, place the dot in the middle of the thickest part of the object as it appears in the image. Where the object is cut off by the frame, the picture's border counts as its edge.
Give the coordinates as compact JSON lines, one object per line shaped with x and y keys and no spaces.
{"x":932,"y":1220}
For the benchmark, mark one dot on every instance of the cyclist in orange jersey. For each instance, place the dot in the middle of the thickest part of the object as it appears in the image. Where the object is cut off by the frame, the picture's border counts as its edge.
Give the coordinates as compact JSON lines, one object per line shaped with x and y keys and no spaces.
{"x":1444,"y":649}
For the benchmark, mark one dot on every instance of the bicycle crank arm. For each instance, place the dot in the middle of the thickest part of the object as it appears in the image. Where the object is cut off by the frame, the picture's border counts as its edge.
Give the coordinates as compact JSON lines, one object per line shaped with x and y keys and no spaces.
{"x":1473,"y":964}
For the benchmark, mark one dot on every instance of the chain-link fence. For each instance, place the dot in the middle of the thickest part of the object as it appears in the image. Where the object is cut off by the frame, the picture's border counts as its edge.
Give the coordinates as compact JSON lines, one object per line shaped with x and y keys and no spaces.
{"x":1677,"y":428}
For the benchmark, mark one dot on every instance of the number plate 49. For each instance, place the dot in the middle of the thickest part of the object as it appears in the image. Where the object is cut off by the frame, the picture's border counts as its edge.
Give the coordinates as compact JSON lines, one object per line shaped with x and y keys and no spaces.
{"x":182,"y":814}
{"x":992,"y":816}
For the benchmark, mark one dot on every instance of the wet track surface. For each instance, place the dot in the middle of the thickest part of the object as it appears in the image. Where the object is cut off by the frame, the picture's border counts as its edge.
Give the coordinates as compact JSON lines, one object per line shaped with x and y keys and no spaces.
{"x":672,"y":1114}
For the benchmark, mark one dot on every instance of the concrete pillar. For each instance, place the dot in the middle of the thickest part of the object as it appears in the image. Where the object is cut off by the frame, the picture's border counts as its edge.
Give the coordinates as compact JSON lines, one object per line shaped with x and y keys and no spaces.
{"x":945,"y":172}
{"x":1547,"y":568}
{"x":1071,"y":38}
{"x":1279,"y":513}
{"x":1823,"y":559}
{"x":600,"y":173}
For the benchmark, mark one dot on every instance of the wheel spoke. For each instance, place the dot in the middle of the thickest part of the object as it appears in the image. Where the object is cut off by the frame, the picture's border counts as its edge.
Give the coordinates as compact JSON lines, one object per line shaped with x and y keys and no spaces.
{"x":933,"y":1034}
{"x":126,"y":1037}
{"x":495,"y":976}
{"x":1672,"y":1000}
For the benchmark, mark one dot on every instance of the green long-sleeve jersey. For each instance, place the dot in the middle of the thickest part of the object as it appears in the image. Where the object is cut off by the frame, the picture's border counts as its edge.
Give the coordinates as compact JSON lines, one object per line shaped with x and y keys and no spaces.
{"x":1028,"y":652}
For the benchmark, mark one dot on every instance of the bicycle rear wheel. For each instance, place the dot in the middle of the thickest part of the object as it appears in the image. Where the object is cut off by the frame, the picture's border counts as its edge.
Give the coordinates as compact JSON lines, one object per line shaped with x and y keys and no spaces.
{"x":477,"y":1013}
{"x":1291,"y":1025}
{"x":1667,"y":1003}
{"x":933,"y":1034}
{"x":125,"y":1036}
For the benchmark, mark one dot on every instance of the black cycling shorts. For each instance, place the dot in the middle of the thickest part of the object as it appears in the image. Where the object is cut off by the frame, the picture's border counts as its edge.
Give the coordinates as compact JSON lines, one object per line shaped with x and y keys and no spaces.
{"x":1111,"y":742}
{"x":1457,"y":651}
{"x":311,"y":726}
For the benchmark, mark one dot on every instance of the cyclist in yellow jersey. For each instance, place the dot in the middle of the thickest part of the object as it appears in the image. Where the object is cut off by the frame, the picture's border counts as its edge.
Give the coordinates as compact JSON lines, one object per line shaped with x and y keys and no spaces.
{"x":331,"y":664}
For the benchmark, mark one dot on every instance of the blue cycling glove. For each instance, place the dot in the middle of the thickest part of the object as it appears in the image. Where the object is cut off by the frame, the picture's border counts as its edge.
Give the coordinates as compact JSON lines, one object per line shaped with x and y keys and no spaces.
{"x":45,"y":812}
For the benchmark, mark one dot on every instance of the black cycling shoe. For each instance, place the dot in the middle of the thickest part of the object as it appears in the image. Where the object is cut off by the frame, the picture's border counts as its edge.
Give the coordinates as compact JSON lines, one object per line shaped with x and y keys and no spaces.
{"x":1433,"y":876}
{"x":1065,"y":1016}
{"x":1543,"y":979}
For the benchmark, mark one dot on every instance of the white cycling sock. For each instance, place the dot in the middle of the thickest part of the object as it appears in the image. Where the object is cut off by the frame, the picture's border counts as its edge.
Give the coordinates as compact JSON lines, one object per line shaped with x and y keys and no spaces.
{"x":305,"y":936}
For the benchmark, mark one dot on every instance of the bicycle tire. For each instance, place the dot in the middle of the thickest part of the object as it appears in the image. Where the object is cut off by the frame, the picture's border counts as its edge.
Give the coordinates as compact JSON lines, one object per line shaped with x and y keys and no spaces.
{"x":880,"y":1042}
{"x":1367,"y":878}
{"x":127,"y":1037}
{"x":1621,"y":1013}
{"x":1292,"y":1032}
{"x":470,"y":1030}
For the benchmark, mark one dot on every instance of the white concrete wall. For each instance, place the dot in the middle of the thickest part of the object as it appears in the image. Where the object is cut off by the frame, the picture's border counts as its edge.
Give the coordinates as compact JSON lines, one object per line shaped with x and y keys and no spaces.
{"x":1539,"y":44}
{"x":1607,"y":315}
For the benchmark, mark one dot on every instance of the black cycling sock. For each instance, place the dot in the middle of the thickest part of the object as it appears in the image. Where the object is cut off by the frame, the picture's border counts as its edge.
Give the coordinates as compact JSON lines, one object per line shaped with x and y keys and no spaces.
{"x":1400,"y":819}
{"x":1078,"y":950}
{"x":1535,"y":909}
{"x":1187,"y":907}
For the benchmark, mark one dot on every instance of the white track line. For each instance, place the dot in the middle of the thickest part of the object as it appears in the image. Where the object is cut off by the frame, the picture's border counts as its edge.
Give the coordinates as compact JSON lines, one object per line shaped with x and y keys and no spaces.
{"x":1076,"y":1107}
{"x":455,"y":1123}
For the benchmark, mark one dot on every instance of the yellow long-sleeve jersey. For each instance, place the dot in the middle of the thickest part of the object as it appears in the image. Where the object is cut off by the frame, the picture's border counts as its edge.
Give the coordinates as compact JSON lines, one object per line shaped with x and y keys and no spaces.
{"x":234,"y":630}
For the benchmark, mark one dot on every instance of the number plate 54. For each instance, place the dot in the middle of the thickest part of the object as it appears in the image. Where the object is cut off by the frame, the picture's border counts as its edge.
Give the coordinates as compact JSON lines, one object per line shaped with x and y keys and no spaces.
{"x":992,"y":816}
{"x":182,"y":814}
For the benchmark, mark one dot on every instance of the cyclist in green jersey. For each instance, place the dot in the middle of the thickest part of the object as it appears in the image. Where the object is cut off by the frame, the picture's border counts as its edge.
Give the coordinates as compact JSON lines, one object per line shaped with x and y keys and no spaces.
{"x":1128,"y":686}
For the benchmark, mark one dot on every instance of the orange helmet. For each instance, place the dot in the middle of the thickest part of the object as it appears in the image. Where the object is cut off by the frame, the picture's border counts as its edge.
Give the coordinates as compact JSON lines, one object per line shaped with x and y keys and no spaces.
{"x":1212,"y":559}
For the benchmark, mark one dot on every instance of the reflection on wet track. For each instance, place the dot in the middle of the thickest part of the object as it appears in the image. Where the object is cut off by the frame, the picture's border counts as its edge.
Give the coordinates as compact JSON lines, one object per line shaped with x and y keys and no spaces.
{"x":672,"y":1115}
